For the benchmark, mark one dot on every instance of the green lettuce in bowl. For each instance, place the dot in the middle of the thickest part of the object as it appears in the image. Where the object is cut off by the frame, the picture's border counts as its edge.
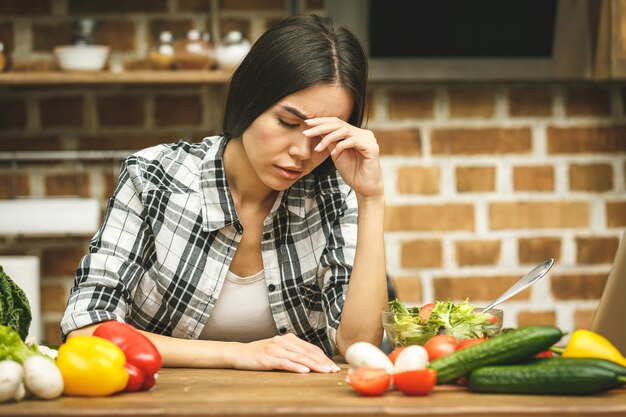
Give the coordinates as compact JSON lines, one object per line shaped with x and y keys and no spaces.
{"x":406,"y":326}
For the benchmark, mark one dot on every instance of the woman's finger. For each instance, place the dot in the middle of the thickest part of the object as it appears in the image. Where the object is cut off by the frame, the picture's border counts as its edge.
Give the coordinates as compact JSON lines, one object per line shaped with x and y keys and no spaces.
{"x":296,"y":345}
{"x":337,"y":135}
{"x":324,"y":129}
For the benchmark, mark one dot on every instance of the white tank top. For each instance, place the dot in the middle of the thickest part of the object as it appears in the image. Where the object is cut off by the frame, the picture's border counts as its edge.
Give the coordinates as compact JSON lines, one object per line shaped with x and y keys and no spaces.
{"x":242,"y":312}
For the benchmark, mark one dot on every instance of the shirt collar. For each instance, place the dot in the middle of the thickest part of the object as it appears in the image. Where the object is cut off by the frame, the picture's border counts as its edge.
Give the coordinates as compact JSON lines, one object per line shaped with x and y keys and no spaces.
{"x":218,"y":207}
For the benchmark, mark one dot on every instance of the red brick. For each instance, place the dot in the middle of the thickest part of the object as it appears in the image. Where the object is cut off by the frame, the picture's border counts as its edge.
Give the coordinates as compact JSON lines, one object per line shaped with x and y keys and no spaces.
{"x":481,"y":141}
{"x":538,"y":215}
{"x":121,"y":110}
{"x":46,"y":36}
{"x":477,"y":252}
{"x":278,"y":5}
{"x":596,"y":250}
{"x":577,"y":287}
{"x":62,"y":261}
{"x":61,"y":111}
{"x":118,"y":6}
{"x":579,"y":140}
{"x":30,"y":143}
{"x":616,"y":214}
{"x":419,"y":104}
{"x":52,"y":333}
{"x":53,"y":298}
{"x":474,"y":179}
{"x":536,"y":318}
{"x":418,"y":180}
{"x":123,"y":141}
{"x":25,"y":7}
{"x":533,"y":178}
{"x":430,"y":217}
{"x":408,"y":289}
{"x":591,"y":177}
{"x":481,"y":288}
{"x":6,"y":34}
{"x":421,"y":254}
{"x":119,"y":35}
{"x":538,"y":249}
{"x":12,"y":114}
{"x":67,"y":185}
{"x":587,"y":102}
{"x":12,"y":186}
{"x":528,"y":102}
{"x":471,"y":102}
{"x":172,"y":110}
{"x":399,"y":142}
{"x":583,"y":319}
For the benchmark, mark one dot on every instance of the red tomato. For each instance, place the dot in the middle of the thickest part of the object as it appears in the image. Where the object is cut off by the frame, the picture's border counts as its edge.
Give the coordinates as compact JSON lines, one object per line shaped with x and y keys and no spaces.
{"x":370,"y":381}
{"x":440,"y":345}
{"x":469,"y":342}
{"x":419,"y":382}
{"x":394,"y":354}
{"x":425,"y":311}
{"x":544,"y":354}
{"x":492,"y":318}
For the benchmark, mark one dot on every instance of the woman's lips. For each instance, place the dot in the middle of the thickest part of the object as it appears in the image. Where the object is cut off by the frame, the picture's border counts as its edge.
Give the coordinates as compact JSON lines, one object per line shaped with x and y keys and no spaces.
{"x":290,"y":174}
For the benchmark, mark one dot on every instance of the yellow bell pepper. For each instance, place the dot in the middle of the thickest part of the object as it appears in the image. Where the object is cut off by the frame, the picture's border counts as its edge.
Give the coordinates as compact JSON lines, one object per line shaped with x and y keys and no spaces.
{"x":91,"y":366}
{"x":588,"y":344}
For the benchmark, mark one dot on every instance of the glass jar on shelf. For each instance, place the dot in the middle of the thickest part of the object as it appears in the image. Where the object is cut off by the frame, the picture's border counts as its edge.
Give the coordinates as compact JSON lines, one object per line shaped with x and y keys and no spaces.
{"x":161,"y":56}
{"x":232,"y":50}
{"x":196,"y":52}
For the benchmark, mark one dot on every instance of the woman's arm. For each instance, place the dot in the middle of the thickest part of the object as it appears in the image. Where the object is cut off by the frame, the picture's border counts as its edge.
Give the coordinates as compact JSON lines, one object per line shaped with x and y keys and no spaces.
{"x":355,"y":153}
{"x":286,"y":352}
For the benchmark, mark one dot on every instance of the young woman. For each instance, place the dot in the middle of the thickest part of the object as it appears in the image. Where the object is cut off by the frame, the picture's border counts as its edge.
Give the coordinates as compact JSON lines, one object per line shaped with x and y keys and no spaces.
{"x":261,"y":248}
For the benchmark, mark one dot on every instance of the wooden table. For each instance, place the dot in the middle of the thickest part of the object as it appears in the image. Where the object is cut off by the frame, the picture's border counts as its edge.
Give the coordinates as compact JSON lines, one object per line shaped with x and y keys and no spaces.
{"x":196,"y":392}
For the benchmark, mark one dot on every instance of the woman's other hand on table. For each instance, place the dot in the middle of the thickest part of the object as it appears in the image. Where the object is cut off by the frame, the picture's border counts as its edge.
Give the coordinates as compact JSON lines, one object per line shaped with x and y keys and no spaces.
{"x":287,"y":352}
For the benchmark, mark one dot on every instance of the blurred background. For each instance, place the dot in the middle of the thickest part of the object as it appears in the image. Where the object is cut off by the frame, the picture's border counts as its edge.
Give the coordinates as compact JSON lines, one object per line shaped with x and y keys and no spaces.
{"x":502,"y":133}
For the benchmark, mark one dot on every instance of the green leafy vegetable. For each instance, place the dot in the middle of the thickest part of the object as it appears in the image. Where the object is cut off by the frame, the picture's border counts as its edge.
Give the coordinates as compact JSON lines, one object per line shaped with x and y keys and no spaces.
{"x":13,"y":347}
{"x":458,"y":320}
{"x":14,"y":307}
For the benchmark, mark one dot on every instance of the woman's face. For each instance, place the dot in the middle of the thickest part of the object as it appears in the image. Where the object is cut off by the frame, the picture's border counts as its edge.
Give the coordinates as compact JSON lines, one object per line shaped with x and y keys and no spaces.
{"x":276,"y":148}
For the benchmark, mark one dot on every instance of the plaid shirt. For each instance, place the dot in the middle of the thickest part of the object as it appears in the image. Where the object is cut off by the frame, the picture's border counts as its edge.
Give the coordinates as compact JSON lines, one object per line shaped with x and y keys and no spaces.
{"x":170,"y":233}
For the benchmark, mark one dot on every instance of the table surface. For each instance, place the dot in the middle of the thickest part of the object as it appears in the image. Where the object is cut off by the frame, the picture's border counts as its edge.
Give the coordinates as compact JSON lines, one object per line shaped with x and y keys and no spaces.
{"x":214,"y":392}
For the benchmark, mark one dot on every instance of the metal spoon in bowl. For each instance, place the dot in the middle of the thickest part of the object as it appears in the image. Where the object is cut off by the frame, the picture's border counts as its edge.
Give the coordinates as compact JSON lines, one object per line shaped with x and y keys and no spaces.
{"x":526,"y":281}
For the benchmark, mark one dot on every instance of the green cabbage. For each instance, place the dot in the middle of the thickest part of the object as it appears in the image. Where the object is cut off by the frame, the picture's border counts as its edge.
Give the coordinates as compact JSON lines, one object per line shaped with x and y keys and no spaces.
{"x":14,"y":307}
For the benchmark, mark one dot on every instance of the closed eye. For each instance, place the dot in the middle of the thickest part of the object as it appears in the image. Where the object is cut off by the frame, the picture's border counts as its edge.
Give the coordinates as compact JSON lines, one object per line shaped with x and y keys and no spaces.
{"x":287,"y":125}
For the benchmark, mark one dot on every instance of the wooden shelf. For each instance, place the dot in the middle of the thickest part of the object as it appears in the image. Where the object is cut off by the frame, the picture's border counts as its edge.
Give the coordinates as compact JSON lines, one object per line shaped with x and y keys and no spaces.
{"x":105,"y":77}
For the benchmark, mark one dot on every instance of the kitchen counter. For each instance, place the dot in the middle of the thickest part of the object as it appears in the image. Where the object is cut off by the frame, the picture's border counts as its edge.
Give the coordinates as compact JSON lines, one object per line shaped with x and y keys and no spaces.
{"x":200,"y":392}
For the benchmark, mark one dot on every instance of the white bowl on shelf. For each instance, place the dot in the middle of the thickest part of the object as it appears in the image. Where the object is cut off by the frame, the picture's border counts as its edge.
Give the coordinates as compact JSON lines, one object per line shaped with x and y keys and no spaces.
{"x":81,"y":57}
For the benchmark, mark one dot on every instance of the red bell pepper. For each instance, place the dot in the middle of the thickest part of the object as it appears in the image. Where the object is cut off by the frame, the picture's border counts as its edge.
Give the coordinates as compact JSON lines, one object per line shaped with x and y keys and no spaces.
{"x":143,"y":360}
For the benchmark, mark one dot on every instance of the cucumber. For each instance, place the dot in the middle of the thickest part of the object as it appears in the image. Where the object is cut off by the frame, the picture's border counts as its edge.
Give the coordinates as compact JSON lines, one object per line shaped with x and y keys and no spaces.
{"x":602,"y":363}
{"x":514,"y":346}
{"x":564,"y":378}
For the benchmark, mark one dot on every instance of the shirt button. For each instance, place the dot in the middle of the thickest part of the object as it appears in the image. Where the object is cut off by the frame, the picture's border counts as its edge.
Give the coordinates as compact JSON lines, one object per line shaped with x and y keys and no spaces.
{"x":282,"y":330}
{"x":271,"y":287}
{"x":266,"y":236}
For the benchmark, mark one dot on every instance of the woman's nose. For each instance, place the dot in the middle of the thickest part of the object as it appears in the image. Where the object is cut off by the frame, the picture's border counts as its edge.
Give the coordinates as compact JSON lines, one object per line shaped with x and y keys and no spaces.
{"x":302,"y":147}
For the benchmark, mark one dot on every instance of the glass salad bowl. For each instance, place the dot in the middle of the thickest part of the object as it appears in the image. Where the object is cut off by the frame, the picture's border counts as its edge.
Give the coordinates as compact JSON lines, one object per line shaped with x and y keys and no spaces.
{"x":406,"y":326}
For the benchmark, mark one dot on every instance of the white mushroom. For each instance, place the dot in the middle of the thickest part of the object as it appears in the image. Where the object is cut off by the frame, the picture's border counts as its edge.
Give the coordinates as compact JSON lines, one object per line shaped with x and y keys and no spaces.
{"x":11,"y":374}
{"x":42,"y":377}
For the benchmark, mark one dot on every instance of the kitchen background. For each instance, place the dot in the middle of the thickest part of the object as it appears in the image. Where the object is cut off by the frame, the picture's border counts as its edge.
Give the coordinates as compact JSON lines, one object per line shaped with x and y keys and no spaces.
{"x":484,"y":179}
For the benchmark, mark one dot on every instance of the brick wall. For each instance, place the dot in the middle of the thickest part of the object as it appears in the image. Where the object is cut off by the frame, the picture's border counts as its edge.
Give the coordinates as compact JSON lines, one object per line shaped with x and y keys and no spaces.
{"x":483,"y":180}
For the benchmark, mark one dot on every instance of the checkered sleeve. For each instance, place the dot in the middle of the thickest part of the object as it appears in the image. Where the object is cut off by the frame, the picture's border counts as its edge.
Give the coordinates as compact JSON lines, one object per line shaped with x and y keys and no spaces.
{"x":336,"y":263}
{"x":119,"y":255}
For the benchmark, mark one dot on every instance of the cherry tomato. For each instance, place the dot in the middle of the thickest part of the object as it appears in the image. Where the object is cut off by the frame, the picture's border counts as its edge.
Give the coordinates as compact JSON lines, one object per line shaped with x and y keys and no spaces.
{"x":419,"y":382}
{"x":440,"y":345}
{"x":469,"y":342}
{"x":370,"y":382}
{"x":544,"y":354}
{"x":492,"y":318}
{"x":425,"y":311}
{"x":394,"y":354}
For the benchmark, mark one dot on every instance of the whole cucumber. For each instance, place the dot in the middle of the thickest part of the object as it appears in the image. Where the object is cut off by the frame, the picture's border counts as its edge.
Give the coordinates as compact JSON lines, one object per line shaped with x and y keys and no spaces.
{"x":514,"y":346}
{"x":565,"y":378}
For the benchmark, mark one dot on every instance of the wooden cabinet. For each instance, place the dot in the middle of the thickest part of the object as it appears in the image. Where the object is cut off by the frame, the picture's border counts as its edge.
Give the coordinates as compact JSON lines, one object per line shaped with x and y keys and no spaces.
{"x":611,"y":45}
